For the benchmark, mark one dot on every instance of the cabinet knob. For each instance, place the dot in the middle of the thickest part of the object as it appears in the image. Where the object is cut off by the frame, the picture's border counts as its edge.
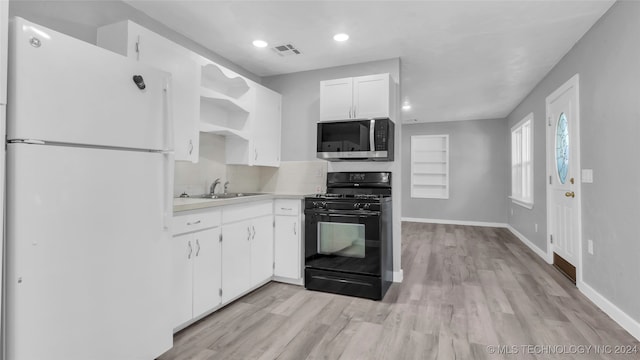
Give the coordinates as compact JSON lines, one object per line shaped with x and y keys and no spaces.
{"x":190,"y":146}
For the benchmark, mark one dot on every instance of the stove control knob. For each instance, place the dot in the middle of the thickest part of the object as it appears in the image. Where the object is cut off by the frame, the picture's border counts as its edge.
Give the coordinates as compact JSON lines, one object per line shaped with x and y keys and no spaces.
{"x":324,"y":204}
{"x":315,"y":204}
{"x":356,"y":205}
{"x":367,"y":206}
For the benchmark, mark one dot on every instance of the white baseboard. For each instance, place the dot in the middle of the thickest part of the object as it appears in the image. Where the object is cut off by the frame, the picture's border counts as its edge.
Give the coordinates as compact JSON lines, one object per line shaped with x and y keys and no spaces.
{"x":455,"y":222}
{"x":398,"y":276}
{"x":619,"y":316}
{"x":531,"y":245}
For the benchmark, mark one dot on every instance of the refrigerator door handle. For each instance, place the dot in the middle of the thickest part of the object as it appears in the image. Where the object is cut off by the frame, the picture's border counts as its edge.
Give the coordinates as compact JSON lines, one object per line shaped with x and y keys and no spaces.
{"x":168,"y":114}
{"x":167,"y":189}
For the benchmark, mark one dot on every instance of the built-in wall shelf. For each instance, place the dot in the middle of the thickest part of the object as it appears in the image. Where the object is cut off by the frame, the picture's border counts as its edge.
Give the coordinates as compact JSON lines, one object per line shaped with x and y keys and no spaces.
{"x":430,"y":166}
{"x":217,"y":79}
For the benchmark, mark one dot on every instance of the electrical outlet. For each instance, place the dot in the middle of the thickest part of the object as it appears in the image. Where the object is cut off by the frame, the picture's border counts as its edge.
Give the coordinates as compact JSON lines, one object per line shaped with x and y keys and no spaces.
{"x":536,"y":227}
{"x":590,"y":246}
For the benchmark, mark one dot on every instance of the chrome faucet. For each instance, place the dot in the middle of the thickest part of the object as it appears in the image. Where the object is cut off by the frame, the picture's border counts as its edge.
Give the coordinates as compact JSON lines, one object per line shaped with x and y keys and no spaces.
{"x":226,"y":186}
{"x":212,"y":189}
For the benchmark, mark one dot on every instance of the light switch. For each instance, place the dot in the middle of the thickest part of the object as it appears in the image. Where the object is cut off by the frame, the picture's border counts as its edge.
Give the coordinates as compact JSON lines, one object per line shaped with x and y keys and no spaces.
{"x":587,"y":176}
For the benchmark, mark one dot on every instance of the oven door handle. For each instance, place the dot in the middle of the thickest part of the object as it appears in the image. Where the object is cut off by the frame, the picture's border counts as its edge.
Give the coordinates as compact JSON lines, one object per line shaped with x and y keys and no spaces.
{"x":350,"y":214}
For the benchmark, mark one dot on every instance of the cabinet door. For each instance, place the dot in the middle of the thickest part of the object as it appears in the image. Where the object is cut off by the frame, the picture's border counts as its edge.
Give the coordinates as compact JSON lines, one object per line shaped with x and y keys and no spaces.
{"x":266,"y":128}
{"x":261,"y":249}
{"x":336,"y":99}
{"x":371,"y":96}
{"x":136,"y":42}
{"x":236,"y":259}
{"x":168,"y":56}
{"x":206,"y":271}
{"x":287,"y":247}
{"x":182,"y":282}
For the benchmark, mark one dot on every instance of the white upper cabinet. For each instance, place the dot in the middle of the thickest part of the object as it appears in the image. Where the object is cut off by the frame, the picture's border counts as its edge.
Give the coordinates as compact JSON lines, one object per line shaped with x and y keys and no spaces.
{"x":266,"y":128}
{"x":246,"y":113}
{"x":207,"y":97}
{"x":336,"y":99}
{"x":4,"y":26}
{"x":362,"y":97}
{"x":134,"y":41}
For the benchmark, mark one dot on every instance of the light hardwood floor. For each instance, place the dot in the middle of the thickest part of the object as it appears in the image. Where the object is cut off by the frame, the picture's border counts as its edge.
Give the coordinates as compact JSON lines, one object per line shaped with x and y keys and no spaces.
{"x":465,"y":288}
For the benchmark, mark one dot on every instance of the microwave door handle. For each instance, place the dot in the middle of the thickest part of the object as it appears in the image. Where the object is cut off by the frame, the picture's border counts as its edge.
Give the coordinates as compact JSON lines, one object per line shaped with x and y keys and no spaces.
{"x":372,"y":138}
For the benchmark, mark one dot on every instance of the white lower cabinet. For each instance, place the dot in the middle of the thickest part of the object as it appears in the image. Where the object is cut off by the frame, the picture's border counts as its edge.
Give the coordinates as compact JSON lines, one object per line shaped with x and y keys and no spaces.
{"x":236,"y":259}
{"x":247,"y":247}
{"x":262,"y":250}
{"x":288,"y":241}
{"x":222,"y":253}
{"x":196,"y":274}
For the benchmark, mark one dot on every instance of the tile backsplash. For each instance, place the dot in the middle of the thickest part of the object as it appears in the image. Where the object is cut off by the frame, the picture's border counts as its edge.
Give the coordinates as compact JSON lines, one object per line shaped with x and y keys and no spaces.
{"x":296,"y":178}
{"x":292,"y":177}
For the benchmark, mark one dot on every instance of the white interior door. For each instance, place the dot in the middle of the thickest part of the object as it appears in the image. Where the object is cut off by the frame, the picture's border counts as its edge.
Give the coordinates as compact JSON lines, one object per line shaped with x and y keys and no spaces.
{"x":563,"y":163}
{"x":88,"y":254}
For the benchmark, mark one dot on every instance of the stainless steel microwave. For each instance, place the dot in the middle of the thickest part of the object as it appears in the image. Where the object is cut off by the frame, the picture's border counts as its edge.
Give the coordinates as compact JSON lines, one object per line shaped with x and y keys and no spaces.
{"x":356,"y":140}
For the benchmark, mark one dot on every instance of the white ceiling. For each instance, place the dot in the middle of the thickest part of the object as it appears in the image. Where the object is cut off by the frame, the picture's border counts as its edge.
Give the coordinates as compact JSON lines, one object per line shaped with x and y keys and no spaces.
{"x":460,"y":60}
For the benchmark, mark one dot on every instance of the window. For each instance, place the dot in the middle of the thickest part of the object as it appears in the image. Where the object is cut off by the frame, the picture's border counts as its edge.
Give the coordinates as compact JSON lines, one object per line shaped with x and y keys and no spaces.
{"x":522,"y":162}
{"x":430,"y":166}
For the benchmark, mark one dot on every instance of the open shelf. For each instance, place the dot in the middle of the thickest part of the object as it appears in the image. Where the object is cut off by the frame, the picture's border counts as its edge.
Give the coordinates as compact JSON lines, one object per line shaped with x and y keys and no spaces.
{"x":214,"y":78}
{"x":219,"y":130}
{"x":223,"y":116}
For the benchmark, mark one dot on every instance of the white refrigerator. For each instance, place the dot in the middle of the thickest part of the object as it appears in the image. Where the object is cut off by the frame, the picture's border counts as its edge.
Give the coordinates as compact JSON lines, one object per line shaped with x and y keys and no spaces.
{"x":89,"y":202}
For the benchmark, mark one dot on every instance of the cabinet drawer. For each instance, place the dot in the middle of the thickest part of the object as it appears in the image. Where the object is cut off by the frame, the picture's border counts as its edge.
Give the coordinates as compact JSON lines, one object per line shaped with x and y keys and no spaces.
{"x":245,"y":211}
{"x":195,"y":220}
{"x":287,"y":207}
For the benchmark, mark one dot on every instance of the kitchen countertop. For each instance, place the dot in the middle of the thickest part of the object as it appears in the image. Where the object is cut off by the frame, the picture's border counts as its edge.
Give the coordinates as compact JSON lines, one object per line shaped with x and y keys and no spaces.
{"x":186,"y":204}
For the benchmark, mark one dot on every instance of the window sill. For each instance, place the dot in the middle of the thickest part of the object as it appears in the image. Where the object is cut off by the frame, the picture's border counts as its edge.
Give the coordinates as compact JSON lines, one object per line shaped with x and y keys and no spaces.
{"x":524,"y":204}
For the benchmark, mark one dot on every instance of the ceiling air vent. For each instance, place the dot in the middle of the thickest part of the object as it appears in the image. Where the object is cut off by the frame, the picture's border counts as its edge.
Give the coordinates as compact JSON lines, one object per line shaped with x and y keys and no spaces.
{"x":286,"y":50}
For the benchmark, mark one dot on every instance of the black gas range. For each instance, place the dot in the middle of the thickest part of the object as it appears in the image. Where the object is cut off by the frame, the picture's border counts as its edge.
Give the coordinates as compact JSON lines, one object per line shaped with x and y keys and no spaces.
{"x":348,"y":235}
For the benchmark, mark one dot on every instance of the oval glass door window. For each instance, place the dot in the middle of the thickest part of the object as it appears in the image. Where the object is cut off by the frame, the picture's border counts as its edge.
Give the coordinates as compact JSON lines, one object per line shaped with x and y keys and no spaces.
{"x":562,"y":147}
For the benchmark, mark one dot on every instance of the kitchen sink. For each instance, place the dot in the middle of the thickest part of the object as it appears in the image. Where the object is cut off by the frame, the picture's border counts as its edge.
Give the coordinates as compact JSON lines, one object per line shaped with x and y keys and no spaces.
{"x":227,"y":195}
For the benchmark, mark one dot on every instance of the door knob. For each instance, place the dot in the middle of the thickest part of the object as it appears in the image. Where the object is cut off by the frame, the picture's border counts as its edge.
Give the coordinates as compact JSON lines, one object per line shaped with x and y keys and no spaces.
{"x":570,"y":194}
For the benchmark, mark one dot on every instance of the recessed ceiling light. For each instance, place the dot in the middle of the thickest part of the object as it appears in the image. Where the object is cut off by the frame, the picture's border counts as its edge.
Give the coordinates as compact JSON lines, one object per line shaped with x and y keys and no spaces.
{"x":406,"y":107}
{"x":340,"y":37}
{"x":260,"y":43}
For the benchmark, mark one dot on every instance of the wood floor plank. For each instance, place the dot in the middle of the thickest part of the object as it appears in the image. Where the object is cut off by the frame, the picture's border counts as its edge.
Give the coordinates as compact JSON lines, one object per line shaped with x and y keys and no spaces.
{"x":465,"y":288}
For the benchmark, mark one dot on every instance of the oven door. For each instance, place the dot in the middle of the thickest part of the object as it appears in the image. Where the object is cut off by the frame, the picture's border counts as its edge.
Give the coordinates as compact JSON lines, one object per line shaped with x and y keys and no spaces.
{"x":346,"y":241}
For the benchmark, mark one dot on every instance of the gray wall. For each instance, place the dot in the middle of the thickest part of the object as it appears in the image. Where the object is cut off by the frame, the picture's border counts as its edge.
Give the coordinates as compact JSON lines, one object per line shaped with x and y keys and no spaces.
{"x":608,"y":61}
{"x":478,"y":168}
{"x":301,"y":111}
{"x":81,"y":19}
